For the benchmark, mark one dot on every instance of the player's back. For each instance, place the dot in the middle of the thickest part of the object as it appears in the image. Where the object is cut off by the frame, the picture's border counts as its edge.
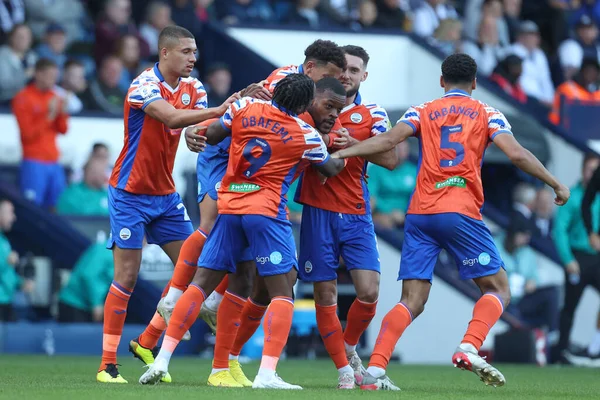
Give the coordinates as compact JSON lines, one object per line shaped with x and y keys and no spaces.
{"x":280,"y":73}
{"x":454,"y":132}
{"x":267,"y":146}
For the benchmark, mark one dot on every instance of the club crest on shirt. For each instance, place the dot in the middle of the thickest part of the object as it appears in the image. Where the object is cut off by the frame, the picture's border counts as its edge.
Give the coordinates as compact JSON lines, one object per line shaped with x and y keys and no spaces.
{"x":356,"y":118}
{"x":185,"y":99}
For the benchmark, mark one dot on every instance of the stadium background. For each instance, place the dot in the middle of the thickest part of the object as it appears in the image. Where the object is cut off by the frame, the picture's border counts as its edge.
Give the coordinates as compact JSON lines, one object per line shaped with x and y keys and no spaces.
{"x":242,"y":41}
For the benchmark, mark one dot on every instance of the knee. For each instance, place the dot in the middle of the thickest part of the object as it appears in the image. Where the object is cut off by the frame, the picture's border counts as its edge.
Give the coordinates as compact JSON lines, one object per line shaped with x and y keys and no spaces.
{"x":369,"y":294}
{"x":127,"y":274}
{"x":416,"y":305}
{"x":325,"y":293}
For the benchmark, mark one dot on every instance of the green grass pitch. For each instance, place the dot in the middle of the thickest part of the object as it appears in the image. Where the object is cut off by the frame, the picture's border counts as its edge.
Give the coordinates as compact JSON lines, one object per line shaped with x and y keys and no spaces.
{"x":48,"y":378}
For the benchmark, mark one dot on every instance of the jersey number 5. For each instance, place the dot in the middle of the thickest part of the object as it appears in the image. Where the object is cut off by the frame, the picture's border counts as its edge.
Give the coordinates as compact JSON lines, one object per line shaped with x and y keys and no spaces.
{"x":446,"y":144}
{"x":256,"y":163}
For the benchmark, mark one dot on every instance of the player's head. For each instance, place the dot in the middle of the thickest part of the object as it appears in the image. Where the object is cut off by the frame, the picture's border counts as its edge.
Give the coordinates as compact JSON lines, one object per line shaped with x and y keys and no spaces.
{"x":294,"y":93}
{"x":330,"y":98}
{"x":357,"y":59}
{"x":591,"y":162}
{"x":324,"y":58}
{"x":177,"y":50}
{"x":46,"y":74}
{"x":7,"y":215}
{"x":459,"y":71}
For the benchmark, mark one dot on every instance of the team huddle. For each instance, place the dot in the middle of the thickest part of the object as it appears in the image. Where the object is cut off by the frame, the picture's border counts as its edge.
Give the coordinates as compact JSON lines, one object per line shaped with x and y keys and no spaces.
{"x":306,"y":122}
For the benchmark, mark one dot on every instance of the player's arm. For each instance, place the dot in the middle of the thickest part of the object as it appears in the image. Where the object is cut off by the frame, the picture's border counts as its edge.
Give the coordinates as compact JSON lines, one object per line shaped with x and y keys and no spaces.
{"x":387,"y":159}
{"x":378,"y":144}
{"x":217,"y":132}
{"x":527,"y":162}
{"x":320,"y":158}
{"x":174,"y":119}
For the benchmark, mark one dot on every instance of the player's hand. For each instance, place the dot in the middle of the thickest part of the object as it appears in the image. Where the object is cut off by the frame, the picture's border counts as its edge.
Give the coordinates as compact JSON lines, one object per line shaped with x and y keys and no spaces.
{"x":195,"y":138}
{"x":232,"y":99}
{"x":257,"y":90}
{"x":13,"y":258}
{"x":345,"y":140}
{"x":573,"y":268}
{"x":562,"y":195}
{"x":336,"y":155}
{"x":595,"y":241}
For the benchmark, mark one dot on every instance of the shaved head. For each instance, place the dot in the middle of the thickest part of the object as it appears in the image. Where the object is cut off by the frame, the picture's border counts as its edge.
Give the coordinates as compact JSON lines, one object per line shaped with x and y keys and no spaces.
{"x":169,"y":37}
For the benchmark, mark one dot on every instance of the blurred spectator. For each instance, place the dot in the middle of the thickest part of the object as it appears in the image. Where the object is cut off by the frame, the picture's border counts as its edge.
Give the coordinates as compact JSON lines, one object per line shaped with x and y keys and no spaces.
{"x":217,"y":84}
{"x":128,"y":50}
{"x":391,"y":190}
{"x":67,"y":13}
{"x":42,"y":115}
{"x":90,"y":197}
{"x":512,"y":16}
{"x":535,"y":79}
{"x":307,"y":13}
{"x":82,"y":298}
{"x":367,"y":15}
{"x":584,"y":7}
{"x":524,"y":197}
{"x":428,"y":17}
{"x":447,"y":37}
{"x":54,"y":45}
{"x":544,"y":211}
{"x":538,"y":307}
{"x":507,"y":75}
{"x":581,"y":261}
{"x":16,"y":62}
{"x":10,"y":281}
{"x":491,"y":10}
{"x":104,"y":93}
{"x":487,"y":50}
{"x":12,"y":12}
{"x":390,"y":15}
{"x":191,"y":14}
{"x":115,"y":22}
{"x":99,"y":151}
{"x":583,"y":88}
{"x":74,"y":84}
{"x":550,"y":17}
{"x":246,"y":11}
{"x":337,"y":11}
{"x":585,"y":45}
{"x":158,"y":17}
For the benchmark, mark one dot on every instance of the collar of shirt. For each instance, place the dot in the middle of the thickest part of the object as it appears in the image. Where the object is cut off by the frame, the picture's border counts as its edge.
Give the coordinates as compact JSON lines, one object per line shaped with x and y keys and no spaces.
{"x":357,"y":102}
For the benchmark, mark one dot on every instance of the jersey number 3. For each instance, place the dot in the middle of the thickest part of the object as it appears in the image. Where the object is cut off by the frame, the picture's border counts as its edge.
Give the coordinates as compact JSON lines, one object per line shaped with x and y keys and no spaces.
{"x":256,"y":163}
{"x":447,"y":144}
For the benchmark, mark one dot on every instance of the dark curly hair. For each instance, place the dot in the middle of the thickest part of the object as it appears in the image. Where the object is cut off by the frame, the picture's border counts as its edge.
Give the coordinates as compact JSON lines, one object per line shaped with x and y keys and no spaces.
{"x":357,"y":51}
{"x":459,"y":68}
{"x":294,"y":93}
{"x":331,"y":84}
{"x":325,"y":51}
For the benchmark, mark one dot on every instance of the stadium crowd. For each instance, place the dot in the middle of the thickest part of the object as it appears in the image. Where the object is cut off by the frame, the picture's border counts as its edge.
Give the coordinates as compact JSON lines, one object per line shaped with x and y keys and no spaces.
{"x":82,"y":56}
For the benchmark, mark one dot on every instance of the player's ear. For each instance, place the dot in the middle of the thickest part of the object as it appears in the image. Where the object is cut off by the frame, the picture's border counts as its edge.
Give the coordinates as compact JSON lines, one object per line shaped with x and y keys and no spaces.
{"x":308,"y":67}
{"x":442,"y":83}
{"x":474,"y":84}
{"x":365,"y":76}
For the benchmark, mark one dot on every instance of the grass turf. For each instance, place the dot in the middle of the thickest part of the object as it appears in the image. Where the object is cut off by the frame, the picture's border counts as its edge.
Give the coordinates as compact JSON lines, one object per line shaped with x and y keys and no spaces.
{"x":48,"y":378}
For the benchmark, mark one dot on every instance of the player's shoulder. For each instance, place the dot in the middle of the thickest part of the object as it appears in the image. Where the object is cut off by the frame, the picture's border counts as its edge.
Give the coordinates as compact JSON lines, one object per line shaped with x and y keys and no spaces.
{"x":148,"y":76}
{"x":286,"y":70}
{"x":190,"y":81}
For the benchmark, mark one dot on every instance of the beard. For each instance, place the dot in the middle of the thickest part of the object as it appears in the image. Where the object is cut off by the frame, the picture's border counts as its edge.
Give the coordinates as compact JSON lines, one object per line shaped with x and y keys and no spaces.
{"x":351,"y":92}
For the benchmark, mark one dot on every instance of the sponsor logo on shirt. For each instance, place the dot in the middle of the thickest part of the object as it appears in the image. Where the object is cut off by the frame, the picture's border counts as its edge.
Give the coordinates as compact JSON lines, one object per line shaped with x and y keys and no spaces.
{"x":457,"y":181}
{"x":243,"y":187}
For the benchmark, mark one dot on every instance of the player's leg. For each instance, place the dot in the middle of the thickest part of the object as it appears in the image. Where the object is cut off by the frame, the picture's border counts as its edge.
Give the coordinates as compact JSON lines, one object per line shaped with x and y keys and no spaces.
{"x":361,"y":255}
{"x":226,"y":239}
{"x":272,"y":242}
{"x":127,"y":217}
{"x":251,"y":317}
{"x":319,"y":259}
{"x":187,"y":260}
{"x":229,"y":319}
{"x":472,"y":241}
{"x":419,"y":256}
